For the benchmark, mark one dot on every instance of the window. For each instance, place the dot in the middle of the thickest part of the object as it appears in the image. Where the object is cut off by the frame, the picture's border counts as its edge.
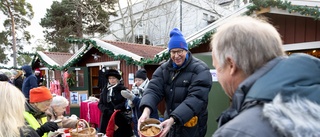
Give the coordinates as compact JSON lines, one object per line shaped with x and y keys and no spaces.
{"x":212,"y":18}
{"x":78,"y":76}
{"x":205,"y":16}
{"x":140,"y":24}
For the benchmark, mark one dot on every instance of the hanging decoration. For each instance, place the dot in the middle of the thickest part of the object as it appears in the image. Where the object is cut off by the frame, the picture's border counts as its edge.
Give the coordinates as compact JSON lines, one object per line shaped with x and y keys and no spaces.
{"x":66,"y":91}
{"x":284,"y":5}
{"x":70,"y":79}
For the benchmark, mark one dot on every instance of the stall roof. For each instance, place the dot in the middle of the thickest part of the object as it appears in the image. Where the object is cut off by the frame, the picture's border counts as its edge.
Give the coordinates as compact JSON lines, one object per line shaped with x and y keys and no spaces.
{"x":58,"y":58}
{"x":52,"y":59}
{"x":137,"y":52}
{"x":145,"y":51}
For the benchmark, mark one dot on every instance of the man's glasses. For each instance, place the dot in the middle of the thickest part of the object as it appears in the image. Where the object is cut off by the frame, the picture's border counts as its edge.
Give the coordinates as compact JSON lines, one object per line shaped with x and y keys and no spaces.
{"x":174,"y":52}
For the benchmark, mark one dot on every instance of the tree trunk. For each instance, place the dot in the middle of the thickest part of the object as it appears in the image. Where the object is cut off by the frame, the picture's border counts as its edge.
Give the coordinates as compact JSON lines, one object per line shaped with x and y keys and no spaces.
{"x":13,"y":33}
{"x":14,"y":49}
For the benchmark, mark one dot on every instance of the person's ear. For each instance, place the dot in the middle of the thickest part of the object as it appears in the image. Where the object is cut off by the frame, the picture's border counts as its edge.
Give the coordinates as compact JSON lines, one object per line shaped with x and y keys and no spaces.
{"x":231,"y":65}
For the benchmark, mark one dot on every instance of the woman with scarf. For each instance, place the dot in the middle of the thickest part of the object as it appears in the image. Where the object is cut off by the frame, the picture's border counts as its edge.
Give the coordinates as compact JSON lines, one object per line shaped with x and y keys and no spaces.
{"x":112,"y":100}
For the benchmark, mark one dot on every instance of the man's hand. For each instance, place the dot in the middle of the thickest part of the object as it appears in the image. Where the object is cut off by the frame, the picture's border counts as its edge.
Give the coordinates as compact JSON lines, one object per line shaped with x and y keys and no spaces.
{"x":166,"y":126}
{"x":145,"y":115}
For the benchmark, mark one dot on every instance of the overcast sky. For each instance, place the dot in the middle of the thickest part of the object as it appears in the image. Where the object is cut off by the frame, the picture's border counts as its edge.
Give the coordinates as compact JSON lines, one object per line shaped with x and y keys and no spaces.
{"x":40,"y":9}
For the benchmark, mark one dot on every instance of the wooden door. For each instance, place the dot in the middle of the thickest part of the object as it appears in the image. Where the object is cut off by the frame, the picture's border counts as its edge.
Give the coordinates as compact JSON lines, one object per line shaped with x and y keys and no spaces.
{"x":94,"y":79}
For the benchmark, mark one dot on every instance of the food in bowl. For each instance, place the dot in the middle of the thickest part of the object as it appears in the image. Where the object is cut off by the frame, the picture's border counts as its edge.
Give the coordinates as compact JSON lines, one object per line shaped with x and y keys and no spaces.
{"x":150,"y":130}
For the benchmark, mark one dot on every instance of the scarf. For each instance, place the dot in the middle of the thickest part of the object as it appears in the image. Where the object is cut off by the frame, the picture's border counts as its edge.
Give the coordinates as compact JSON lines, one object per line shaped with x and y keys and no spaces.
{"x":110,"y":92}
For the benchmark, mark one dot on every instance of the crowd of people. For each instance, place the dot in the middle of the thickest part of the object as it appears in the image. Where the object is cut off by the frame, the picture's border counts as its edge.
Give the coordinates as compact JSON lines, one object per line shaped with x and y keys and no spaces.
{"x":36,"y":108}
{"x":270,"y":93}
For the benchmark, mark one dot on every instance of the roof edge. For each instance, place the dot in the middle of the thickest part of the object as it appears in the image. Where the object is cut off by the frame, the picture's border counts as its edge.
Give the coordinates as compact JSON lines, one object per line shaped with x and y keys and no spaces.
{"x":47,"y":59}
{"x":116,"y":50}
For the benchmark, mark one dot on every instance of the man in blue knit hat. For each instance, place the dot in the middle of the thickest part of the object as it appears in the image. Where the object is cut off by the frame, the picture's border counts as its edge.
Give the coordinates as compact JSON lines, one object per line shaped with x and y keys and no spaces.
{"x":184,"y":82}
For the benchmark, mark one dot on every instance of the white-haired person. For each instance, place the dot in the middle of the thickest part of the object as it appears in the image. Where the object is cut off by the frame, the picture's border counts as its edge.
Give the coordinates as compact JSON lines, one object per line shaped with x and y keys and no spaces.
{"x":272,"y":94}
{"x":12,"y":109}
{"x":56,"y":110}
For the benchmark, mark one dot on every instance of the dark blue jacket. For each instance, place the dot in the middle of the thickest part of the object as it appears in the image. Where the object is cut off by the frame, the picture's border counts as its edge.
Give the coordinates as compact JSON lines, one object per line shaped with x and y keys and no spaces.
{"x":185,"y":91}
{"x":30,"y":81}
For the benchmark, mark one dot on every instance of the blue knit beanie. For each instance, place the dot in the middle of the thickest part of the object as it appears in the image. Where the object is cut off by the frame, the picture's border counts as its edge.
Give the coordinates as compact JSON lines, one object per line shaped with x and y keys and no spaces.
{"x":177,"y":40}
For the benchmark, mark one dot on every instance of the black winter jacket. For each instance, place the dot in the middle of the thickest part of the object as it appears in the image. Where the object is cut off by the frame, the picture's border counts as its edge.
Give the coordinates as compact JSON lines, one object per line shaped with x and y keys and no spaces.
{"x":186,"y":93}
{"x":18,"y":82}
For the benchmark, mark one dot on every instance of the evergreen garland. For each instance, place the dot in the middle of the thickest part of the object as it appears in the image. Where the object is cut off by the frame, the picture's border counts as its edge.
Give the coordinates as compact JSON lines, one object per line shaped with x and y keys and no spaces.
{"x":205,"y":39}
{"x":284,"y":5}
